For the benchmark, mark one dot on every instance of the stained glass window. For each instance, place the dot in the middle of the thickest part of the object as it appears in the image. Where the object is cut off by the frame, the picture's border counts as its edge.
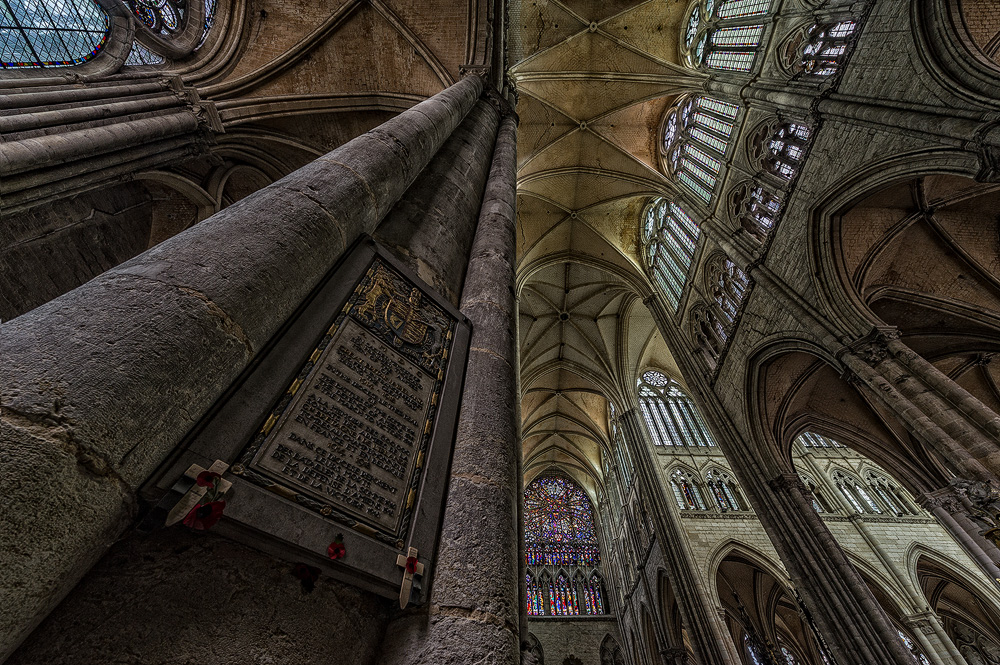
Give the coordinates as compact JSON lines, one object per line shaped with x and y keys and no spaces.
{"x":825,"y":48}
{"x":722,"y":37}
{"x":695,"y":139}
{"x":813,"y":440}
{"x":670,"y":415}
{"x":535,"y":597}
{"x":818,"y":501}
{"x":710,"y":333}
{"x":50,"y":33}
{"x":165,"y":18}
{"x":890,"y":494}
{"x":671,"y":236}
{"x":757,"y":210}
{"x":785,"y":148}
{"x":918,"y":657}
{"x":686,"y":491}
{"x":855,"y":493}
{"x":724,"y":490}
{"x":559,"y":524}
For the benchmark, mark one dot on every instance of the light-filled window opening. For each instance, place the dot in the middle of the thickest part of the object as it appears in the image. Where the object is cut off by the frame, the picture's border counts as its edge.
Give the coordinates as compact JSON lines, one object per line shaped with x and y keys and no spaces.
{"x":671,"y":416}
{"x":670,"y":236}
{"x":696,"y":134}
{"x":50,"y":33}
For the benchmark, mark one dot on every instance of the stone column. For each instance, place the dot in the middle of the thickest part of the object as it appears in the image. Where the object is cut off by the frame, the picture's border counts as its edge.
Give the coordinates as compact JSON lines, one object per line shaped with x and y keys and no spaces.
{"x":952,"y":513}
{"x":100,"y":384}
{"x":710,"y":638}
{"x":842,"y":606}
{"x":472,"y":614}
{"x":51,"y":154}
{"x":432,"y":227}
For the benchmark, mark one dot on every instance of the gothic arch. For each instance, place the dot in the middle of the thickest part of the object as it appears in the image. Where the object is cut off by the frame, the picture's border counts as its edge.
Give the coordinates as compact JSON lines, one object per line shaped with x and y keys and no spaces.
{"x":951,"y":54}
{"x":795,"y":386}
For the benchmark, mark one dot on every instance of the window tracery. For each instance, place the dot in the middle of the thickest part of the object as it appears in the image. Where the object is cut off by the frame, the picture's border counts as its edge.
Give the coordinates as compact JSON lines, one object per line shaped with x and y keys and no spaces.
{"x":756,"y":208}
{"x":686,"y":491}
{"x":670,"y":415}
{"x":728,"y":286}
{"x":724,"y":490}
{"x":724,"y":35}
{"x":51,"y":33}
{"x":889,"y":493}
{"x":819,"y":502}
{"x":670,"y":236}
{"x":779,"y":148}
{"x":710,"y":335}
{"x":696,"y":134}
{"x":813,"y":440}
{"x":918,"y":657}
{"x":560,"y":534}
{"x":825,"y":48}
{"x":167,"y":28}
{"x":855,"y":493}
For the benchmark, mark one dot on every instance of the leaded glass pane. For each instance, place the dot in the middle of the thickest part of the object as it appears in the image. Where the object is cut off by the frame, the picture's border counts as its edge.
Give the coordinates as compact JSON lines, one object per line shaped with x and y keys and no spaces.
{"x":746,"y":35}
{"x":743,"y":8}
{"x":559,"y":524}
{"x":50,"y":33}
{"x":734,"y":61}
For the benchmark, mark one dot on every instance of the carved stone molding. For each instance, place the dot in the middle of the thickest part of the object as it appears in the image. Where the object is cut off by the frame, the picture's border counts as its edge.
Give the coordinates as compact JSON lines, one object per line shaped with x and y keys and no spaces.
{"x":873,"y":348}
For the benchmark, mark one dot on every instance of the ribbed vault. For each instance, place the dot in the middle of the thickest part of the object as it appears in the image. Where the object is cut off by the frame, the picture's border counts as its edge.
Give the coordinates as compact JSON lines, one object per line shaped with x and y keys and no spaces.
{"x":594,"y":79}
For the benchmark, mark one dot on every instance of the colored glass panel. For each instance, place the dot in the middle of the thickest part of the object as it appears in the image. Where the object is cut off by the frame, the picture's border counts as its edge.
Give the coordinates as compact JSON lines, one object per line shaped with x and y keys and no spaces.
{"x":559,"y":525}
{"x":50,"y":33}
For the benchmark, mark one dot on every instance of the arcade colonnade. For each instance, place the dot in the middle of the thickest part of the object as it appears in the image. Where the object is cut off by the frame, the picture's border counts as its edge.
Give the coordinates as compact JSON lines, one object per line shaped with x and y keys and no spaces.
{"x":826,"y":340}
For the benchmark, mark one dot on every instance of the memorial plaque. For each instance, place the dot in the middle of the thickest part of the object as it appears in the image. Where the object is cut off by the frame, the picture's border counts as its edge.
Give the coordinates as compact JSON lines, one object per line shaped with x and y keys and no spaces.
{"x":349,"y":436}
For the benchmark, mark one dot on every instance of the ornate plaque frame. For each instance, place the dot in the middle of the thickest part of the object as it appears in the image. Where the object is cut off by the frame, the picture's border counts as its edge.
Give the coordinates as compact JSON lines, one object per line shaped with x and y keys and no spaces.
{"x":333,"y":403}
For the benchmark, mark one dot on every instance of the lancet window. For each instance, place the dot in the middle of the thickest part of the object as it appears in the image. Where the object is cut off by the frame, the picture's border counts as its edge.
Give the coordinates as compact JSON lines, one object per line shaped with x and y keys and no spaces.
{"x":670,"y":415}
{"x":710,"y":334}
{"x":813,"y":440}
{"x":686,"y":491}
{"x":696,"y":135}
{"x":670,"y":236}
{"x":819,"y":502}
{"x":51,"y":33}
{"x":725,"y":35}
{"x":890,"y":495}
{"x":756,"y":208}
{"x":855,"y":493}
{"x":724,"y":490}
{"x":918,"y":657}
{"x":561,"y":550}
{"x":728,"y":286}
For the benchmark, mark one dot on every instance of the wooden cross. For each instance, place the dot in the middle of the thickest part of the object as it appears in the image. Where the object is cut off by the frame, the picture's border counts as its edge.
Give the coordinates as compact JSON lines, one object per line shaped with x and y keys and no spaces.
{"x":194,"y":494}
{"x":411,"y":567}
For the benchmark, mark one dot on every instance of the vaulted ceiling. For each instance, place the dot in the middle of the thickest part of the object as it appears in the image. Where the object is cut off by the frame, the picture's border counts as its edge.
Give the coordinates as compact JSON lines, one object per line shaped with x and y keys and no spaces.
{"x":593,"y":80}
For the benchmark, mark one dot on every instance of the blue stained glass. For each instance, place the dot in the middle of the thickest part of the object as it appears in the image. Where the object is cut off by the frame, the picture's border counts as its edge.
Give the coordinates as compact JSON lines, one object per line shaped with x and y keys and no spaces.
{"x":50,"y":33}
{"x":559,"y":525}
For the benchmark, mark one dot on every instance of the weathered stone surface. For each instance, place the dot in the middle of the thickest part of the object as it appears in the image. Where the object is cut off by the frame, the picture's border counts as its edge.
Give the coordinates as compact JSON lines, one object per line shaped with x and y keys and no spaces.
{"x":183,"y":597}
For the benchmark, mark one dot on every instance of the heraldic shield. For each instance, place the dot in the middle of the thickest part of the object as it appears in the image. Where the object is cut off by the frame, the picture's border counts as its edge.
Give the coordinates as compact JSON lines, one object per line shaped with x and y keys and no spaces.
{"x":402,"y":318}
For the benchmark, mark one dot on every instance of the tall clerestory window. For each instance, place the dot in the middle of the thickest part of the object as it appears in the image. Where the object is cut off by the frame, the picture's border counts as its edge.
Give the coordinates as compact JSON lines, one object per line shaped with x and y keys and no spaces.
{"x":670,"y":415}
{"x":670,"y":236}
{"x":50,"y":33}
{"x":696,"y":133}
{"x":724,"y":34}
{"x":563,"y":556}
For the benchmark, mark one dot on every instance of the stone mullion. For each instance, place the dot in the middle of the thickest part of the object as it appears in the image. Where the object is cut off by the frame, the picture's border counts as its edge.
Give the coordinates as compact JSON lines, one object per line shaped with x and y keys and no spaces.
{"x":95,"y":398}
{"x":710,"y":637}
{"x":842,"y":606}
{"x":474,"y":605}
